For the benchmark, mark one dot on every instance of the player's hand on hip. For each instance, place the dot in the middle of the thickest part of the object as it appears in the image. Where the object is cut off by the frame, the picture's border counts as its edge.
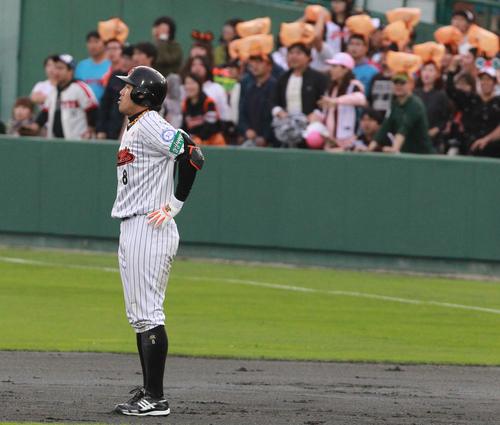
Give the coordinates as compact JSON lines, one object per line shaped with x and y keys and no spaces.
{"x":165,"y":214}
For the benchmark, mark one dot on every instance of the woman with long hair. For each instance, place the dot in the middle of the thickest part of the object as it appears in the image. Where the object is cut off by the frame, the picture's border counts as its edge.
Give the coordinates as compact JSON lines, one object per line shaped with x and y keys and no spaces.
{"x":430,"y":88}
{"x":200,"y":116}
{"x":200,"y":65}
{"x":345,"y":93}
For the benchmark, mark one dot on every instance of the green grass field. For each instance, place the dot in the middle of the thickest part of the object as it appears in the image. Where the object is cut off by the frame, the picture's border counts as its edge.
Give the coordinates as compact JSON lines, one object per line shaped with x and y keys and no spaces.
{"x":63,"y":301}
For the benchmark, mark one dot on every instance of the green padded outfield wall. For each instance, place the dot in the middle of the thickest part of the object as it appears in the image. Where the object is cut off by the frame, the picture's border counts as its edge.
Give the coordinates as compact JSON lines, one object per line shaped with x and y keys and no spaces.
{"x":404,"y":205}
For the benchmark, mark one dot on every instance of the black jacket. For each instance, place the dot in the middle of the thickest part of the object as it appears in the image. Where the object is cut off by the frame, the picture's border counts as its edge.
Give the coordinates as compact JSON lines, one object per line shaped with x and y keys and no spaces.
{"x":314,"y":85}
{"x":110,"y":119}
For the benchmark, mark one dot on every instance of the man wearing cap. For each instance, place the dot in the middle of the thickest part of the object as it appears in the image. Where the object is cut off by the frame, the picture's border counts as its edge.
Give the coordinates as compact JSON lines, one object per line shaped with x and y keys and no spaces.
{"x":480,"y":112}
{"x":71,"y":107}
{"x":407,"y":120}
{"x":488,"y":145}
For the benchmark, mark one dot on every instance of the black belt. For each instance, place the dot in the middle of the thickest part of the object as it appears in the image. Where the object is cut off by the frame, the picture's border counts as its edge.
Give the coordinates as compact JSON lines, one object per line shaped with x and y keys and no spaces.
{"x":126,"y":218}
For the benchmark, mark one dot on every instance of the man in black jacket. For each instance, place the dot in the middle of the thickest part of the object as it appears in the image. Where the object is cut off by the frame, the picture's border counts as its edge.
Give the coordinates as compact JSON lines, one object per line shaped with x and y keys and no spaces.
{"x":299,"y":89}
{"x":254,"y":123}
{"x":110,"y":122}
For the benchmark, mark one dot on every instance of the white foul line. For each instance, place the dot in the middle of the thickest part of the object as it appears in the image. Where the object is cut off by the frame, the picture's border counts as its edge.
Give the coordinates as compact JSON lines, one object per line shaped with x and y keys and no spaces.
{"x":70,"y":266}
{"x":265,"y":285}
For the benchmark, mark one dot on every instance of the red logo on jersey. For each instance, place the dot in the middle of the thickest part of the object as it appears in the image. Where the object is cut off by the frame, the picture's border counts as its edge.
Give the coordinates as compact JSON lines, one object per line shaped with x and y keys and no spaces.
{"x":70,"y":104}
{"x":125,"y":157}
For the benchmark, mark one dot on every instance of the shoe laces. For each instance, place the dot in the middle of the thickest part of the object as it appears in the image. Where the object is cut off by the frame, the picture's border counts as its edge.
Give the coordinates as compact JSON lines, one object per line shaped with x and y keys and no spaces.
{"x":138,"y":394}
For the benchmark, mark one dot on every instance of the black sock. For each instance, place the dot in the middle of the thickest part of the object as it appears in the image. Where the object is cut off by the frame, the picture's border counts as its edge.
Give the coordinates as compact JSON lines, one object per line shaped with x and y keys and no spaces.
{"x":141,"y":356}
{"x":154,"y":351}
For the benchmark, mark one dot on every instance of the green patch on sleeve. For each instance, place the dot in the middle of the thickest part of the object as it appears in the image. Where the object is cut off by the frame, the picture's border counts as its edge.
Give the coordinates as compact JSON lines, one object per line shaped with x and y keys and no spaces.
{"x":177,"y":144}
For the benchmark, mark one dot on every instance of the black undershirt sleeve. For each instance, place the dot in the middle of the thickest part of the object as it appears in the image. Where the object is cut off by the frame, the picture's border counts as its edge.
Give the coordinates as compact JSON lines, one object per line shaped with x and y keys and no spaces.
{"x":187,"y":174}
{"x":92,"y":117}
{"x":42,"y":118}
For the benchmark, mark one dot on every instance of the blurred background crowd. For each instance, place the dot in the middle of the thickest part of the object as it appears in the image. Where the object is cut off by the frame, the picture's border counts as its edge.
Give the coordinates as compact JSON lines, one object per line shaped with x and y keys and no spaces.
{"x":336,"y":79}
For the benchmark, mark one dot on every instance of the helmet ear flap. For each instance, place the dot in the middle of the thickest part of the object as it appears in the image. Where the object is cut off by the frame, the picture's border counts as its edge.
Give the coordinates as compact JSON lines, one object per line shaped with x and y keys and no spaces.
{"x":139,"y":95}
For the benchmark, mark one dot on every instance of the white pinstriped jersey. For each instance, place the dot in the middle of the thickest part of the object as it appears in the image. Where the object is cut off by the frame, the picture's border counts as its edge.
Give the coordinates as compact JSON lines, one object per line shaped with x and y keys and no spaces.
{"x":146,"y":166}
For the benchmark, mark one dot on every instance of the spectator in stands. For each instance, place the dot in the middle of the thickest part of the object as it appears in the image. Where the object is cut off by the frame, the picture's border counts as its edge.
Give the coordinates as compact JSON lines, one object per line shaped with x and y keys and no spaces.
{"x":114,"y":51}
{"x":407,"y":121}
{"x":23,"y":116}
{"x":454,"y":134}
{"x":463,"y":19}
{"x":169,"y":52}
{"x":236,"y":71}
{"x":365,"y":69}
{"x":320,"y":49}
{"x":298,"y":90}
{"x":172,"y":105}
{"x":43,"y":88}
{"x":202,"y":46}
{"x":221,"y":54}
{"x":144,"y":54}
{"x":480,"y":112}
{"x":382,"y":89}
{"x":255,"y":111}
{"x":110,"y":121}
{"x":280,"y":54}
{"x":429,"y":88}
{"x":339,"y":107}
{"x":71,"y":108}
{"x":376,"y":42}
{"x":466,"y":62}
{"x":200,"y":65}
{"x":369,"y":125}
{"x":446,"y":61}
{"x":337,"y":34}
{"x":92,"y":69}
{"x":200,"y":114}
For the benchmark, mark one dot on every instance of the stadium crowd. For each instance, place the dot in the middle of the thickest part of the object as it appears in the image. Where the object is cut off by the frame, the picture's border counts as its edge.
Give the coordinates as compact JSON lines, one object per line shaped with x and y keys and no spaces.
{"x":336,"y":80}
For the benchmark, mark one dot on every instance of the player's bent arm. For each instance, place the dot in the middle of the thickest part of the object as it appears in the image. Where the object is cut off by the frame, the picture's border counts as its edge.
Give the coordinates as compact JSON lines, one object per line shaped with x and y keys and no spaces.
{"x":189,"y":163}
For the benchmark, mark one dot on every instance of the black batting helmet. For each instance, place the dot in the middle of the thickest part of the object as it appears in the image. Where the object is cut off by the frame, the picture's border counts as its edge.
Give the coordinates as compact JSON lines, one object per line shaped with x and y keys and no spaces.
{"x":150,"y":87}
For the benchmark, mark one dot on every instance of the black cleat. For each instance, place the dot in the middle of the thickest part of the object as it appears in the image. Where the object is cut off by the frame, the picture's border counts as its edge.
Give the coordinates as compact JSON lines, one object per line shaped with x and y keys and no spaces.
{"x":142,"y":404}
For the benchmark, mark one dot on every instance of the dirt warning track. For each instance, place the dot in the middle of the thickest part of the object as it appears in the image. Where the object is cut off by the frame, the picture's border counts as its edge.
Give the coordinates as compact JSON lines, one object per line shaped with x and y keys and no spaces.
{"x":84,"y":388}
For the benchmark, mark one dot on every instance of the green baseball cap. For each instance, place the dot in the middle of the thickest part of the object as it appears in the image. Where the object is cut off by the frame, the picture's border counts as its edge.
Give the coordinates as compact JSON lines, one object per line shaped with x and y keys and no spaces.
{"x":402,"y":76}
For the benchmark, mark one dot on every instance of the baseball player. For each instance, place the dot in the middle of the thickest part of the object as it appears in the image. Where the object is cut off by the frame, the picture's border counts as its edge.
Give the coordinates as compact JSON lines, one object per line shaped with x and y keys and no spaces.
{"x":150,"y":151}
{"x":70,"y":108}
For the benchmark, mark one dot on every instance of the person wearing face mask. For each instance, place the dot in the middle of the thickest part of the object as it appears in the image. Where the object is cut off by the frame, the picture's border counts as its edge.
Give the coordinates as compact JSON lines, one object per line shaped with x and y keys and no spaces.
{"x":169,"y":57}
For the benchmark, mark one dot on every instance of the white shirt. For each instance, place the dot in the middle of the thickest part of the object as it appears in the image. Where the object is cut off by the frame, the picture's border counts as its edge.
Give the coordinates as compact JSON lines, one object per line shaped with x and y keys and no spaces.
{"x":318,"y":58}
{"x":219,"y":95}
{"x":75,"y":101}
{"x":294,"y":94}
{"x":334,"y":36}
{"x":44,"y":87}
{"x":279,"y":57}
{"x":145,"y":168}
{"x":234,"y":103}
